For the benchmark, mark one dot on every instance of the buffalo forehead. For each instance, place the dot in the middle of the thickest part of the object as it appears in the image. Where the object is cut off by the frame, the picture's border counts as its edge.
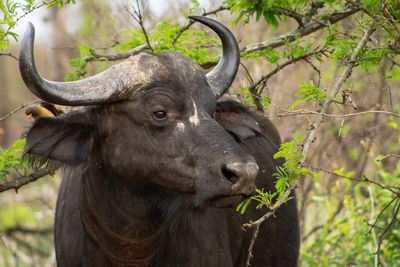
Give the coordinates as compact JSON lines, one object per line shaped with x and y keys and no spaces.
{"x":171,"y":66}
{"x":181,"y":73}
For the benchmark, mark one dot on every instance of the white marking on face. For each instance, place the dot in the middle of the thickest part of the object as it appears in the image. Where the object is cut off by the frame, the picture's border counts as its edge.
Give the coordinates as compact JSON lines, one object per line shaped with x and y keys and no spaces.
{"x":194,"y":119}
{"x":180,"y":127}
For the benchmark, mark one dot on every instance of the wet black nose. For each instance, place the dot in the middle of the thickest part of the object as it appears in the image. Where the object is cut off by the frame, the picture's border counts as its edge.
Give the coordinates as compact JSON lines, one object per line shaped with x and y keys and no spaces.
{"x":242,"y":176}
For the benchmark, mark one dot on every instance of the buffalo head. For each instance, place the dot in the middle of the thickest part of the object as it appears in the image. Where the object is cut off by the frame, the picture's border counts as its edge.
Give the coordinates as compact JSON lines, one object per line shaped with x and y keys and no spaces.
{"x":148,"y":122}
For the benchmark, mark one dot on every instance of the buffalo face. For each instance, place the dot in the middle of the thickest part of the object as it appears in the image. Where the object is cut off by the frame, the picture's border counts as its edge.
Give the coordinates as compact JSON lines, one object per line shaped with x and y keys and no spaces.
{"x":150,"y":125}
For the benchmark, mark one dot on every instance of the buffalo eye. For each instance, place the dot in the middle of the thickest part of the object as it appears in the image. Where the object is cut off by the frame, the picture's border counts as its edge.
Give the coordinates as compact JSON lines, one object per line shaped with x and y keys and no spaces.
{"x":160,"y":114}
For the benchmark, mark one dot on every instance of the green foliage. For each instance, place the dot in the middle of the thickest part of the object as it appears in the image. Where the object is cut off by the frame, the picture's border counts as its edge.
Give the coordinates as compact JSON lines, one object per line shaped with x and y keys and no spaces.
{"x":270,"y":10}
{"x":12,"y":11}
{"x":80,"y":63}
{"x":348,"y":237}
{"x":136,"y":39}
{"x":394,"y":75}
{"x":61,"y":3}
{"x":194,"y":44}
{"x":292,"y":168}
{"x":285,"y":175}
{"x":271,"y":55}
{"x":309,"y":93}
{"x":10,"y":158}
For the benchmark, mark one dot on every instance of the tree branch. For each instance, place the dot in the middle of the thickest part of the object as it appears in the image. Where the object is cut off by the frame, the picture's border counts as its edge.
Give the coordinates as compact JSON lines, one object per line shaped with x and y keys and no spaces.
{"x":23,"y":180}
{"x":9,"y":54}
{"x":256,"y":93}
{"x":346,"y":73}
{"x":334,"y":116}
{"x":256,"y":224}
{"x":276,"y":42}
{"x":308,"y":29}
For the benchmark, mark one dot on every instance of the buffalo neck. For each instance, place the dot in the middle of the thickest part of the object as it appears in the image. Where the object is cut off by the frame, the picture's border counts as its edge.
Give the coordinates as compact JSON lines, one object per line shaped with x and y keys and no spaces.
{"x":122,"y":227}
{"x":130,"y":226}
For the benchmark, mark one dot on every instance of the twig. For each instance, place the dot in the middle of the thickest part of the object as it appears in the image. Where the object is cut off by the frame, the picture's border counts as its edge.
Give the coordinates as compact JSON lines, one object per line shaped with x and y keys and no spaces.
{"x":346,"y":73}
{"x":19,"y":108}
{"x":371,"y":218}
{"x":310,"y":112}
{"x":24,"y":230}
{"x":191,"y":22}
{"x":265,"y":78}
{"x":363,"y":178}
{"x":373,"y":16}
{"x":26,"y":13}
{"x":137,"y":16}
{"x":9,"y":54}
{"x":387,"y":156}
{"x":256,"y":224}
{"x":387,"y":228}
{"x":23,"y":180}
{"x":390,"y":18}
{"x":315,"y":69}
{"x":293,"y":14}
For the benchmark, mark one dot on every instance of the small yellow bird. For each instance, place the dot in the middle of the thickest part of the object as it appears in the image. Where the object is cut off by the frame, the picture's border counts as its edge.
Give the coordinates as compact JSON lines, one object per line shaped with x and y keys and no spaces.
{"x":44,"y":109}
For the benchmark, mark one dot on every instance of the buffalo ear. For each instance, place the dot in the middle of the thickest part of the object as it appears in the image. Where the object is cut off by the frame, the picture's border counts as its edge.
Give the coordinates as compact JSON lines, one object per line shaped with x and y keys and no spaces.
{"x":63,"y":138}
{"x":244,"y":124}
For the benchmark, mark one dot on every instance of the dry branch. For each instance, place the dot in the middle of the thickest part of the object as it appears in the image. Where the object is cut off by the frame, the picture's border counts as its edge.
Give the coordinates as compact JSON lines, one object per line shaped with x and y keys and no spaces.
{"x":346,"y":74}
{"x":18,"y":109}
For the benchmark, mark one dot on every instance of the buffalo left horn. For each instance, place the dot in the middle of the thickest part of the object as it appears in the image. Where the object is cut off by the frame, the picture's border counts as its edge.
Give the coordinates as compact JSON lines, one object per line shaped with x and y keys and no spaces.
{"x":221,"y":77}
{"x":107,"y":86}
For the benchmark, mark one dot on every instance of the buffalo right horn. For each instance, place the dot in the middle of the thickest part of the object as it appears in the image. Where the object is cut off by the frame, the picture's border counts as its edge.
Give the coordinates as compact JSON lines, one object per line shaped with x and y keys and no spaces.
{"x":221,"y":77}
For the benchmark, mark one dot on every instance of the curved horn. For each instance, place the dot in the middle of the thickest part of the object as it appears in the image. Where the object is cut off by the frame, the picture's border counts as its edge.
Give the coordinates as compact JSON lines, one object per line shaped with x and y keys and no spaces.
{"x":106,"y":86}
{"x":221,"y":77}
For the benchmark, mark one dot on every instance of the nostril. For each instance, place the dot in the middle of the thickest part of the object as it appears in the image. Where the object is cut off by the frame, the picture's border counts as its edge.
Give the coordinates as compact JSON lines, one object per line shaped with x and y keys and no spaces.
{"x":241,"y":175}
{"x":230,"y":175}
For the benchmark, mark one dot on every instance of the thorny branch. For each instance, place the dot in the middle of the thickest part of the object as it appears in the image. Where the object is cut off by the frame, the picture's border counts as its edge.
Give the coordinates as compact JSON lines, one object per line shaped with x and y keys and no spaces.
{"x":345,"y":75}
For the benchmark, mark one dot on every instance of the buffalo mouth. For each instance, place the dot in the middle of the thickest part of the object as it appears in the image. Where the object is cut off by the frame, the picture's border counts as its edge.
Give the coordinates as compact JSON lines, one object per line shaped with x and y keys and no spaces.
{"x":226,"y":201}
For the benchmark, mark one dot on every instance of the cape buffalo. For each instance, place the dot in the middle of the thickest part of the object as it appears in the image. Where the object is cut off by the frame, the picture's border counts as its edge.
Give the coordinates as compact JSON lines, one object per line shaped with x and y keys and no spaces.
{"x":154,"y":165}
